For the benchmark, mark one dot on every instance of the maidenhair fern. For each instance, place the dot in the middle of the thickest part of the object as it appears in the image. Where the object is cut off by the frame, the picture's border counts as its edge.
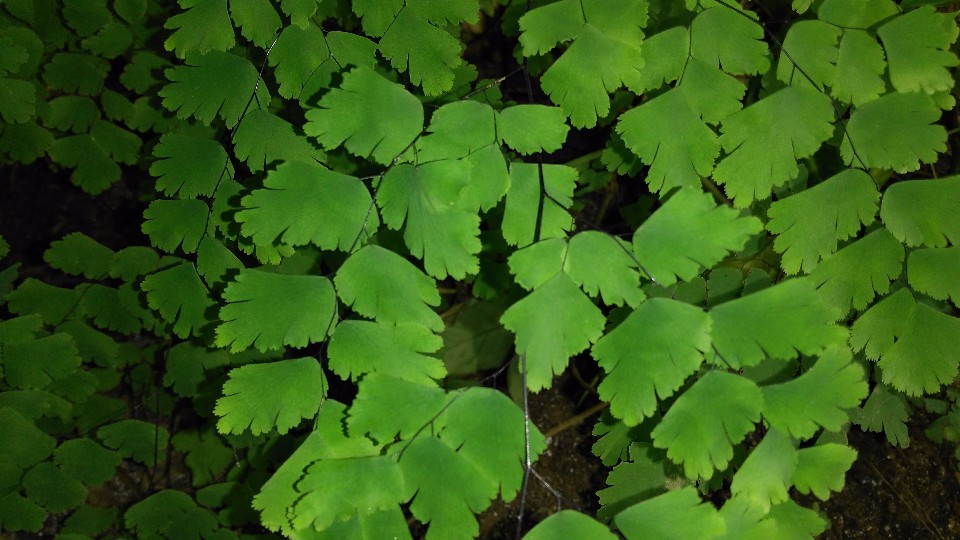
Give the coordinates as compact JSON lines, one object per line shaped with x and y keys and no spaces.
{"x":323,"y":167}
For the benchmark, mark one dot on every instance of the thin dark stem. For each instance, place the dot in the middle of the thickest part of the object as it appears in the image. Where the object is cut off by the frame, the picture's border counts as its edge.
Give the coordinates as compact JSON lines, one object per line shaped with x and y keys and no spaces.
{"x":537,"y":229}
{"x":527,"y":462}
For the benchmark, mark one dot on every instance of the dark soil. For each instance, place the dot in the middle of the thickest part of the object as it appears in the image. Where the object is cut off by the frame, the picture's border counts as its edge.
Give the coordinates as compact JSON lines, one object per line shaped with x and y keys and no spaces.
{"x":898,"y":493}
{"x":568,"y":466}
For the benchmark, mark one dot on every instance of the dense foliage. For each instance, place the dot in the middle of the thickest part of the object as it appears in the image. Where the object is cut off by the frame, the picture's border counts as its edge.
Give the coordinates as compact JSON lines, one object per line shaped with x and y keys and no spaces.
{"x":731,"y":212}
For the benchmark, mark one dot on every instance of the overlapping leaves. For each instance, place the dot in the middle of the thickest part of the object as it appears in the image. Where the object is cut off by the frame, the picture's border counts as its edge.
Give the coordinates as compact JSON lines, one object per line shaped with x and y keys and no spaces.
{"x":445,"y":455}
{"x":576,"y":81}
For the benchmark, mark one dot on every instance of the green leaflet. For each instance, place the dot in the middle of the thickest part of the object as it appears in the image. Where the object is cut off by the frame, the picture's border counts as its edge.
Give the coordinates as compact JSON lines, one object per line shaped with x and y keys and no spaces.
{"x":765,"y":475}
{"x":257,"y":20}
{"x":139,"y":75}
{"x":689,"y":232}
{"x":299,"y":52}
{"x":133,"y":261}
{"x":822,"y":469}
{"x":911,"y":341}
{"x":376,"y":19}
{"x":392,"y":523}
{"x":386,"y":407}
{"x":352,"y":116}
{"x":476,"y":457}
{"x":576,"y":82}
{"x":19,"y":513}
{"x":187,"y":365}
{"x":81,"y":73}
{"x":642,"y":477}
{"x":306,"y":60}
{"x":18,"y":101}
{"x":342,"y":488}
{"x":301,"y":309}
{"x":135,"y":439}
{"x":179,"y":296}
{"x":759,"y":157}
{"x":859,"y":68}
{"x":569,"y":524}
{"x":617,"y":282}
{"x":299,"y":11}
{"x":171,"y":513}
{"x":520,"y":212}
{"x":817,"y":398}
{"x":48,"y":486}
{"x":40,"y":362}
{"x":381,"y":285}
{"x":934,"y":272}
{"x":37,"y":445}
{"x":87,"y":461}
{"x":675,"y":514}
{"x":922,"y":359}
{"x":174,"y":223}
{"x":52,"y":304}
{"x":864,"y":15}
{"x":86,"y":17}
{"x":548,"y":343}
{"x":917,"y":45}
{"x":701,"y":436}
{"x":680,"y":159}
{"x":427,"y":52}
{"x":456,"y":130}
{"x":303,"y":203}
{"x":895,"y":132}
{"x":854,"y":275}
{"x":725,"y":38}
{"x":205,"y":87}
{"x":95,"y":156}
{"x":435,"y":468}
{"x":532,"y":128}
{"x":804,"y":232}
{"x":206,"y":456}
{"x":93,"y":169}
{"x":812,"y":47}
{"x":326,"y":441}
{"x":20,"y":328}
{"x":275,"y":395}
{"x":704,"y":95}
{"x":664,"y":56}
{"x":77,"y":254}
{"x":413,"y":39}
{"x":120,"y":309}
{"x":885,"y":411}
{"x":263,"y":138}
{"x":204,"y":26}
{"x":36,"y":404}
{"x":361,"y":347}
{"x":438,"y":209}
{"x":785,"y":520}
{"x":649,"y":356}
{"x":216,"y":263}
{"x":73,"y":113}
{"x":922,"y":212}
{"x":781,"y":322}
{"x":499,"y":459}
{"x":189,"y":166}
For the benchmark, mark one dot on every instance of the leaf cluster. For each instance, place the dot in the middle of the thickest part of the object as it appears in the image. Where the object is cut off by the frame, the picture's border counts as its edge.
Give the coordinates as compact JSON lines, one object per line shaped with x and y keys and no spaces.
{"x":342,"y":202}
